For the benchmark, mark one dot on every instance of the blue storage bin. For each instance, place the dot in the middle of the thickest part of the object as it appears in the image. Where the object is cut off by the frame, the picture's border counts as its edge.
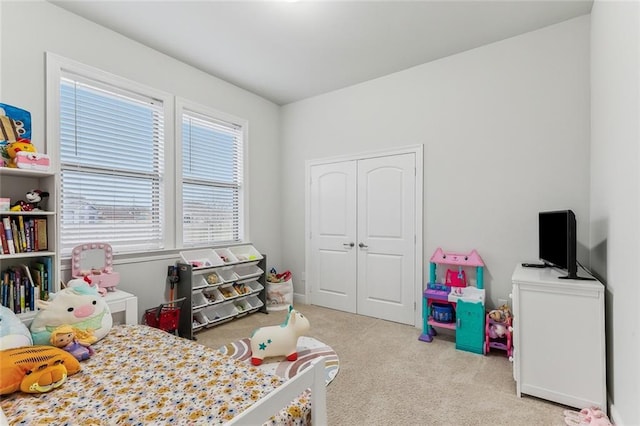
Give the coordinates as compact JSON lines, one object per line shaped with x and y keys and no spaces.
{"x":442,"y":312}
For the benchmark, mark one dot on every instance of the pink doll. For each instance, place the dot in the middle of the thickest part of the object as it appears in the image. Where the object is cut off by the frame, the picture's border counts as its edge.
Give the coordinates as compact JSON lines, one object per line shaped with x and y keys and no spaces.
{"x":65,"y":337}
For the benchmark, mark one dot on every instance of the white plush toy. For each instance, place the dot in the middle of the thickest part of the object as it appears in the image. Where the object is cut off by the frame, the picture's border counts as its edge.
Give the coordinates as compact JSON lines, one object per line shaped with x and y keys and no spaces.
{"x":13,"y":333}
{"x":280,"y":339}
{"x":79,"y":305}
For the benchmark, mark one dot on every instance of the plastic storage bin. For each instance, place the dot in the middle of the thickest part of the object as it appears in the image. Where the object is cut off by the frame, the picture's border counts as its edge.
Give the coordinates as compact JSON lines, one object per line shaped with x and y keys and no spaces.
{"x":245,"y":253}
{"x":243,"y":306}
{"x":254,"y":286}
{"x":226,"y":256}
{"x":220,"y":313}
{"x":199,"y":301}
{"x":442,"y":312}
{"x":201,"y":258}
{"x":255,"y":303}
{"x":213,"y":296}
{"x":247,"y":271}
{"x":228,"y":292}
{"x":199,"y":320}
{"x":227,"y":275}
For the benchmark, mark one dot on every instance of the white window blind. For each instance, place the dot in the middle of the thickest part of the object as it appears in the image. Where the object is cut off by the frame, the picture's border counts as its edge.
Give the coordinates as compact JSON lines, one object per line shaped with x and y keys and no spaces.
{"x":211,"y":180}
{"x":111,"y":161}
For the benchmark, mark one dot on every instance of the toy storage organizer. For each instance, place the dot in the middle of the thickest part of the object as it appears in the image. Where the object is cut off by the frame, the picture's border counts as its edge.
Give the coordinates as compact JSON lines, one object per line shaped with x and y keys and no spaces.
{"x":452,"y":303}
{"x":220,"y":285}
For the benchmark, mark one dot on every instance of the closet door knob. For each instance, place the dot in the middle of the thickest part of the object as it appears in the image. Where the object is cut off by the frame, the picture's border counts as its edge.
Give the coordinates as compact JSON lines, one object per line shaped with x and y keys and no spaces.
{"x":363,"y":245}
{"x":348,"y":245}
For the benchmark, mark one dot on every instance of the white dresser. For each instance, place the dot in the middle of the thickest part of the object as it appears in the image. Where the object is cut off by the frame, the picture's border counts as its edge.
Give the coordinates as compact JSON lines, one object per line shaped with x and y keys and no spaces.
{"x":559,"y":338}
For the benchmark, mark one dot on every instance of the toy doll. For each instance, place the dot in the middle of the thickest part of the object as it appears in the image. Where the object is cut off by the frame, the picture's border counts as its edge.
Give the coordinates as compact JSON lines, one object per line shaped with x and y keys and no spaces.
{"x":65,"y":337}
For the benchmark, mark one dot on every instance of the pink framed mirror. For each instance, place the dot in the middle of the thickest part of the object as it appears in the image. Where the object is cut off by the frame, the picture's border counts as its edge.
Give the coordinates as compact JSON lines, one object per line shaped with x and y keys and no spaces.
{"x":95,"y":261}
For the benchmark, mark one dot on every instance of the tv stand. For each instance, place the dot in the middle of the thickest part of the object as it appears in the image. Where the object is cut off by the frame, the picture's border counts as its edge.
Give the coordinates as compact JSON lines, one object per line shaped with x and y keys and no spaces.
{"x":559,"y":338}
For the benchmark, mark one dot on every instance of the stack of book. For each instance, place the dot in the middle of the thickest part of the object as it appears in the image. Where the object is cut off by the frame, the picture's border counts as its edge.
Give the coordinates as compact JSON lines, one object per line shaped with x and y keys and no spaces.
{"x":23,"y":234}
{"x":22,"y":286}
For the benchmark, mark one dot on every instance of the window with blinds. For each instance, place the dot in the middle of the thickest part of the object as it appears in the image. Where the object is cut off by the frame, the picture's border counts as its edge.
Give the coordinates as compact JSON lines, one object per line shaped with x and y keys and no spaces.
{"x":212,"y":156}
{"x":111,"y":164}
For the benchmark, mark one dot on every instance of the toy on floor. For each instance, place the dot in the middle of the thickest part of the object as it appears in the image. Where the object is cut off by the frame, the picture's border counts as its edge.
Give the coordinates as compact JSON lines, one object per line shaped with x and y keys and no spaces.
{"x":68,"y":338}
{"x":35,"y":369}
{"x":277,"y":340}
{"x":498,"y":331}
{"x":587,"y":416}
{"x":13,"y":333}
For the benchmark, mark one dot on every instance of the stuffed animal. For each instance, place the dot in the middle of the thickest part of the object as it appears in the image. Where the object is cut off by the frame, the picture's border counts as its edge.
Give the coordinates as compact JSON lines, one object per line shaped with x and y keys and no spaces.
{"x":79,"y":305}
{"x":67,"y":338}
{"x":280,"y":339}
{"x":501,"y":314}
{"x":13,"y":148}
{"x":32,"y":202}
{"x":35,"y":369}
{"x":13,"y":333}
{"x":497,"y":331}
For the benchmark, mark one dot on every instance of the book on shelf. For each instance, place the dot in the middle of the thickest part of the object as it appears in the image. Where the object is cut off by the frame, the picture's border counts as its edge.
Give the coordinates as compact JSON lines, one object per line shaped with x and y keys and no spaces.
{"x":40,"y":234}
{"x":23,"y":235}
{"x":8,"y":232}
{"x":43,"y":275}
{"x":3,"y":239}
{"x":16,"y":235}
{"x":20,"y":289}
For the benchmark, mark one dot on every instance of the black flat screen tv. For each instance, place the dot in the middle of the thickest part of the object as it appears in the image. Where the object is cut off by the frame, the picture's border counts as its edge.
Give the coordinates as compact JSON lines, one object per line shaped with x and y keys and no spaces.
{"x":557,"y":241}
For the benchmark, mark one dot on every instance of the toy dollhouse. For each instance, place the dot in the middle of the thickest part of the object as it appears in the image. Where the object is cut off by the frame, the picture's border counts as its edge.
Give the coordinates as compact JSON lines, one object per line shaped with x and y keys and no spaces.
{"x":452,"y":303}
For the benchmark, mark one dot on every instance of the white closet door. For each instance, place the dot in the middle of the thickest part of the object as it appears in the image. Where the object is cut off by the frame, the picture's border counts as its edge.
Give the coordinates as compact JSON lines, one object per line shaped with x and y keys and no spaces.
{"x":386,"y":237}
{"x":333,"y":235}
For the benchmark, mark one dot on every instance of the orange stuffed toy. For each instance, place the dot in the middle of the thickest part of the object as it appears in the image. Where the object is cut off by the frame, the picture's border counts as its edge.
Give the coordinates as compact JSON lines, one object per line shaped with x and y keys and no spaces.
{"x":35,"y":369}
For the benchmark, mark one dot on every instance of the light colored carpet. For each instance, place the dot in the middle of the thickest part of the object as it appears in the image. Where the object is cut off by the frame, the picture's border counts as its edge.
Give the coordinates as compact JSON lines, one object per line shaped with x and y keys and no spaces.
{"x":388,"y":377}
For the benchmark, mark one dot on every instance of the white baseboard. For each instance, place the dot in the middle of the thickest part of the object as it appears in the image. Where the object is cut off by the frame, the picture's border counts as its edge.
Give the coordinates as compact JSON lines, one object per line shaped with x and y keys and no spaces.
{"x":614,"y":416}
{"x":300,"y":298}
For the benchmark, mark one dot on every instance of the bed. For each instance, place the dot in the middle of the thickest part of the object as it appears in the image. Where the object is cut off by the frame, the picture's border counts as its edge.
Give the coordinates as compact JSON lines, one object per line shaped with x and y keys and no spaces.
{"x":141,"y":375}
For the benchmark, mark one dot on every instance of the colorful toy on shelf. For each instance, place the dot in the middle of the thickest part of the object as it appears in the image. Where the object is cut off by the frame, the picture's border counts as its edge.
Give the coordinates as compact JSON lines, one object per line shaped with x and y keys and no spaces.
{"x":454,"y":290}
{"x":32,"y":201}
{"x":15,"y":126}
{"x":277,"y":340}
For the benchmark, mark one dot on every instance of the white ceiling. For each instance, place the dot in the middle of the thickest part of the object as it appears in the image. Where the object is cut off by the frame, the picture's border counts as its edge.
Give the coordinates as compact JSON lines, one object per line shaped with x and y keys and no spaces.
{"x":288,"y":51}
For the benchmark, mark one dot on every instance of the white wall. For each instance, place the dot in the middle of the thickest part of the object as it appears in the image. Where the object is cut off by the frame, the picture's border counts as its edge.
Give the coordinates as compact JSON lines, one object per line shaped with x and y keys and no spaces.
{"x":506,"y":134}
{"x":28,"y":29}
{"x":615,"y":211}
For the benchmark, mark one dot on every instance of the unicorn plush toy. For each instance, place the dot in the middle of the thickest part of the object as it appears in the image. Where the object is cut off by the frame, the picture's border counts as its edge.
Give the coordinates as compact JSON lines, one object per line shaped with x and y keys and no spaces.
{"x":280,"y":339}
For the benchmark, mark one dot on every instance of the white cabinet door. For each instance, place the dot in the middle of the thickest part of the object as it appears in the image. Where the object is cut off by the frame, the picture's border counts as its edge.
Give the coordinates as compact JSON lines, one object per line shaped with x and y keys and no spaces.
{"x":333,"y":236}
{"x":386,"y":237}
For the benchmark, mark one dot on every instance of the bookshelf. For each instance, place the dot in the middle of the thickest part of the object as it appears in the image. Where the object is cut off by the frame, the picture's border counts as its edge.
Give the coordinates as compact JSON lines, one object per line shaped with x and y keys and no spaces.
{"x":34,"y":255}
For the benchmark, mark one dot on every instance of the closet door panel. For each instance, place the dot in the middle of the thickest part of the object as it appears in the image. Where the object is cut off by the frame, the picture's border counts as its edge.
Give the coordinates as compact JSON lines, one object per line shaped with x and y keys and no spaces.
{"x":386,"y":237}
{"x":333,"y":235}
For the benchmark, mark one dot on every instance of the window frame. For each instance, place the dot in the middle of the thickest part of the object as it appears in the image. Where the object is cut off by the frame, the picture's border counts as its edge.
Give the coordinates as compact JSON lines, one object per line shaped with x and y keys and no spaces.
{"x":56,"y":66}
{"x":182,"y":105}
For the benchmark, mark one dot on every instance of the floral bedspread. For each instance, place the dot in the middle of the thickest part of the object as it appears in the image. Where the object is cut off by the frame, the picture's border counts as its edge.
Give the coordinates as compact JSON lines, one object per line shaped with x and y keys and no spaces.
{"x":143,"y":376}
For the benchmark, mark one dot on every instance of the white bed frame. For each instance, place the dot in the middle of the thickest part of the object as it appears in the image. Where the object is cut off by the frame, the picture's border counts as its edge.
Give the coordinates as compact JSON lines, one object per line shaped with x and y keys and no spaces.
{"x":312,"y":377}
